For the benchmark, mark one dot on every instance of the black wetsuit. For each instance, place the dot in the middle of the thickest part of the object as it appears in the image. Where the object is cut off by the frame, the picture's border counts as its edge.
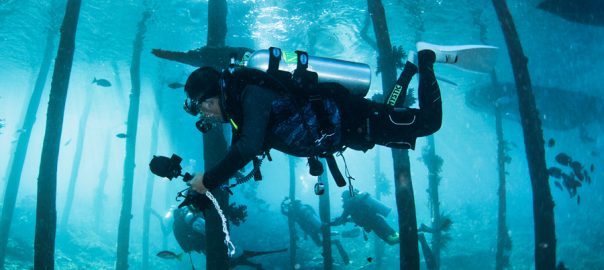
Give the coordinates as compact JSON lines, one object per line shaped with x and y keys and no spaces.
{"x":364,"y":123}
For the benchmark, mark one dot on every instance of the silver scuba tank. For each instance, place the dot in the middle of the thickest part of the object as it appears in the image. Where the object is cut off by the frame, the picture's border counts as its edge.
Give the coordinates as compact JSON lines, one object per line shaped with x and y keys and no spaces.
{"x":374,"y":205}
{"x":356,"y":77}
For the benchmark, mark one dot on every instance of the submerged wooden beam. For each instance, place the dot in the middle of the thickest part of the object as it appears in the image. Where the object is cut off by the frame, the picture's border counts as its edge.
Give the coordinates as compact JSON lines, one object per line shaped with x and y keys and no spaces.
{"x":46,"y":210}
{"x":217,"y":57}
{"x":543,"y":205}
{"x":405,"y":200}
{"x":123,"y":234}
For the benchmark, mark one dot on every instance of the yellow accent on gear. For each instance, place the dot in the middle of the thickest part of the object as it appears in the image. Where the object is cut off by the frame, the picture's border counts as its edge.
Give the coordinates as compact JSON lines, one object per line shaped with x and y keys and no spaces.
{"x":290,"y":57}
{"x":234,"y":124}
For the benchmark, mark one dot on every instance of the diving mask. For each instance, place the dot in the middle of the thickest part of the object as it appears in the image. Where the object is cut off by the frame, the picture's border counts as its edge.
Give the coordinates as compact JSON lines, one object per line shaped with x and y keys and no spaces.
{"x":191,"y":106}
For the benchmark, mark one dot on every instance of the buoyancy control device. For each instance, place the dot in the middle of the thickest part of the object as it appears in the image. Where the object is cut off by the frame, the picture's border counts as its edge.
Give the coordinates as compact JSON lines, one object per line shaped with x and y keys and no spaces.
{"x":303,"y":73}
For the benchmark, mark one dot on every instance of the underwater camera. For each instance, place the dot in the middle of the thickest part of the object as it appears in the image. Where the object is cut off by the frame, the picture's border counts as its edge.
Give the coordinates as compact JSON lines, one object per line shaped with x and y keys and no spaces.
{"x":169,"y":167}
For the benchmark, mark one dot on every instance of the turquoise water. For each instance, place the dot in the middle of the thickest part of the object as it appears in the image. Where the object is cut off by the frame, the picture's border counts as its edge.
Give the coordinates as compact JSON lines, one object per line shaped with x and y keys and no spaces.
{"x":562,"y":55}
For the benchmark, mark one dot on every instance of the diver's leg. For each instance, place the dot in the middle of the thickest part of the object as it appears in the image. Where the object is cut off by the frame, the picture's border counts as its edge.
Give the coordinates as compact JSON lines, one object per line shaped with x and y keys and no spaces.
{"x":396,"y":97}
{"x":398,"y":127}
{"x":316,"y":238}
{"x":430,"y":103}
{"x":428,"y":255}
{"x":342,"y":251}
{"x":384,"y":231}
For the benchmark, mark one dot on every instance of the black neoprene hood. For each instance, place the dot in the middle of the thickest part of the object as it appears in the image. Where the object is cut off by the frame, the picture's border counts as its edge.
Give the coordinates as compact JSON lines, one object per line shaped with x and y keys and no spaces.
{"x":203,"y":84}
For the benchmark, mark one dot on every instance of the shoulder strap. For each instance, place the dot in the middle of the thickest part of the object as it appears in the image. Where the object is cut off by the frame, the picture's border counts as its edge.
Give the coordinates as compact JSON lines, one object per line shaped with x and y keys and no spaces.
{"x":274,"y":59}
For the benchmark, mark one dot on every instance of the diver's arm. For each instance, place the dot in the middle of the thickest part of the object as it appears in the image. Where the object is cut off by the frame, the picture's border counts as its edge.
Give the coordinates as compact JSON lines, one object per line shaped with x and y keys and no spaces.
{"x":340,"y":220}
{"x":256,"y":110}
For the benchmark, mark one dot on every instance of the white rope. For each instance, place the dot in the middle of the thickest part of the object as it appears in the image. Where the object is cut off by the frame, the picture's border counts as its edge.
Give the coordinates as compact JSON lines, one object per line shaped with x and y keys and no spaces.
{"x":227,"y":237}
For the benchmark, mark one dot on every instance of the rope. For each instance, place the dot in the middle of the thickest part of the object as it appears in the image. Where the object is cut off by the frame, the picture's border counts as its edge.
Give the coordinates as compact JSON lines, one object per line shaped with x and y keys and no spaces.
{"x":347,"y":174}
{"x":227,"y":237}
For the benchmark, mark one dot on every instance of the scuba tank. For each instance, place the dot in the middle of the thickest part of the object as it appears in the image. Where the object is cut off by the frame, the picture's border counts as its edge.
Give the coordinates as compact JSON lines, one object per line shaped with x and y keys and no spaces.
{"x":374,"y":205}
{"x":309,"y":222}
{"x":186,"y":236}
{"x":308,"y":219}
{"x":356,"y":77}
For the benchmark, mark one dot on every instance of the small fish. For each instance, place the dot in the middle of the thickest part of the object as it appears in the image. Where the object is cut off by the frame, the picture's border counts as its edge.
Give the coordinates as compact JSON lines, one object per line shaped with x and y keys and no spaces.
{"x":558,"y":185}
{"x":563,"y":159}
{"x":176,"y":85}
{"x":554,"y":172}
{"x":567,"y":182}
{"x":101,"y":82}
{"x":576,"y":183}
{"x":592,"y":168}
{"x":67,"y":142}
{"x":577,"y":167}
{"x":551,"y":143}
{"x":578,"y":199}
{"x":169,"y":255}
{"x":369,"y":259}
{"x":121,"y":135}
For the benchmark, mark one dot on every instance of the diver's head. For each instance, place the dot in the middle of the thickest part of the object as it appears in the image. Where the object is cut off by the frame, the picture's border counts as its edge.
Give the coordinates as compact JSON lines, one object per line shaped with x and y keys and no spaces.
{"x":346,"y":196}
{"x":203,"y":90}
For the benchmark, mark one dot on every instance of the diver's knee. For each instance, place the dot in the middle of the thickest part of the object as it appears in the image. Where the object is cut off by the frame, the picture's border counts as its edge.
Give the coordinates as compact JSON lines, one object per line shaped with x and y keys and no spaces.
{"x":436,"y":125}
{"x":432,"y":126}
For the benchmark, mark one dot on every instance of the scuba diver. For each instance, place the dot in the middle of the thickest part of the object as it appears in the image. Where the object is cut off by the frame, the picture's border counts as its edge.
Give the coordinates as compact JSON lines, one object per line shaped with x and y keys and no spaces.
{"x":189,"y":231}
{"x":302,"y":114}
{"x":367,"y":213}
{"x":306,"y":218}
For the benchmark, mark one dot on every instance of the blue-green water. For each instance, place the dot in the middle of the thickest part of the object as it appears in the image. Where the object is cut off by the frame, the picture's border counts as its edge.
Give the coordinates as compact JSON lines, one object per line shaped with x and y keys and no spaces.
{"x":561,"y":54}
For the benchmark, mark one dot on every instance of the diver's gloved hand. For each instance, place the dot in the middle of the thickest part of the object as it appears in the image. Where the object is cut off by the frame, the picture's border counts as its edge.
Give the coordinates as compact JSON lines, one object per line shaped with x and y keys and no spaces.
{"x":197,"y":200}
{"x":197,"y":183}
